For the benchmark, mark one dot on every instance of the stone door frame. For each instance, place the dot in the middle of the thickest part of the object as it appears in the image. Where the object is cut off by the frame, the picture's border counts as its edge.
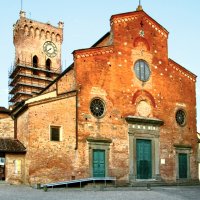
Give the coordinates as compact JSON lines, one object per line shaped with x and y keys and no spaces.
{"x":99,"y":144}
{"x":185,"y":150}
{"x":145,"y":129}
{"x":99,"y":151}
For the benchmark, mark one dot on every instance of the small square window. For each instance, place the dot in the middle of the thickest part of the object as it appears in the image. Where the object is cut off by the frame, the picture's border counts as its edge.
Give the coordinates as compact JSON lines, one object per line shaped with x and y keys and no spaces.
{"x":55,"y":134}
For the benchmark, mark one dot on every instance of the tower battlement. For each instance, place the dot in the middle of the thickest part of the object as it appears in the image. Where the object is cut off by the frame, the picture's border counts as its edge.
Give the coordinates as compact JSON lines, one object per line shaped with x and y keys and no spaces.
{"x":25,"y":27}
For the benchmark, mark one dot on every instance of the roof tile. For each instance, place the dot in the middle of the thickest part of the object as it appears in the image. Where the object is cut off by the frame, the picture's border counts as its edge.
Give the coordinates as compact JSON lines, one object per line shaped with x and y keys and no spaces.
{"x":11,"y":146}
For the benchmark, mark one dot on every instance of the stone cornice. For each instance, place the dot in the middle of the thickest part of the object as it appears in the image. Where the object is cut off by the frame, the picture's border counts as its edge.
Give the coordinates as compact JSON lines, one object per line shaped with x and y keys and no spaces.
{"x":154,"y":25}
{"x":84,"y":53}
{"x":143,"y":120}
{"x":99,"y":140}
{"x":182,"y":70}
{"x":182,"y":146}
{"x":119,"y":20}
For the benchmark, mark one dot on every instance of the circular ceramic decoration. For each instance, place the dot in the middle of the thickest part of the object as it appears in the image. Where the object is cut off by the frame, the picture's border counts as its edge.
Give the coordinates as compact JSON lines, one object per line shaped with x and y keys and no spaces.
{"x":97,"y":107}
{"x":141,"y":33}
{"x":180,"y":117}
{"x":142,"y":70}
{"x":143,"y":109}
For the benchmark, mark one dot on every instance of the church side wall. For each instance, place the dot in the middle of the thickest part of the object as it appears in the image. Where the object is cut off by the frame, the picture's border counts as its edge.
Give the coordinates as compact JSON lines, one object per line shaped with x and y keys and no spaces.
{"x":51,"y":161}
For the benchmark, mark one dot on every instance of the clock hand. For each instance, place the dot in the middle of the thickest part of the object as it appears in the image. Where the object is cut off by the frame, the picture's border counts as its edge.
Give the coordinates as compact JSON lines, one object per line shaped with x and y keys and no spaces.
{"x":49,"y":49}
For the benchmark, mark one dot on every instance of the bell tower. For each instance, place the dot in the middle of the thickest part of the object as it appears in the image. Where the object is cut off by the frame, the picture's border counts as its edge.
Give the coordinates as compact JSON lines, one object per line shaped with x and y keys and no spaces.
{"x":37,"y":57}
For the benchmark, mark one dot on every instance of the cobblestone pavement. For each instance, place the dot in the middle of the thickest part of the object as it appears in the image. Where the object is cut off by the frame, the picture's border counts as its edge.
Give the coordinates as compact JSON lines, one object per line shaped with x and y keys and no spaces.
{"x":10,"y":192}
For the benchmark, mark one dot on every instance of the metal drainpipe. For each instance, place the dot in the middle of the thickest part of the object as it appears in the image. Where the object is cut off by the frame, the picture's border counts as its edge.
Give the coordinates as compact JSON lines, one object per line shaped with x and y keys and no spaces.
{"x":15,"y":125}
{"x":76,"y":146}
{"x":15,"y":128}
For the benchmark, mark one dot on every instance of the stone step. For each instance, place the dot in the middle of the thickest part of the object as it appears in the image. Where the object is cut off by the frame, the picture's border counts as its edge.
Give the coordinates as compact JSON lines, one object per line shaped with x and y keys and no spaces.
{"x":99,"y":185}
{"x":162,"y":183}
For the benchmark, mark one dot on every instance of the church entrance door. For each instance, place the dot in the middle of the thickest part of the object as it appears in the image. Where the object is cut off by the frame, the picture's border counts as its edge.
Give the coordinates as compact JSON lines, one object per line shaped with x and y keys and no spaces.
{"x":98,"y":163}
{"x":182,"y":165}
{"x":144,"y":159}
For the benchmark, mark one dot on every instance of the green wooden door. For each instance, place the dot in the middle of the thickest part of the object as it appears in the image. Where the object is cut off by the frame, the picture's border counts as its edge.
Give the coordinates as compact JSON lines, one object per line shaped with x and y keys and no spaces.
{"x":99,"y":163}
{"x":144,"y":159}
{"x":183,"y":168}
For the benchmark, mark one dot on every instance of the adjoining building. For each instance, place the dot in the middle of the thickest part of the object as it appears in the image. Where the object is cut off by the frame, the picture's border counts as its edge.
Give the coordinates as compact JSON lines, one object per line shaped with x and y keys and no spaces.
{"x":11,"y":150}
{"x":123,"y":109}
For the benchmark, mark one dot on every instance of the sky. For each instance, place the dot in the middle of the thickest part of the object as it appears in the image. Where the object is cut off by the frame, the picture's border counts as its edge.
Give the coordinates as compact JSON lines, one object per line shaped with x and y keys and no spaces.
{"x":87,"y":21}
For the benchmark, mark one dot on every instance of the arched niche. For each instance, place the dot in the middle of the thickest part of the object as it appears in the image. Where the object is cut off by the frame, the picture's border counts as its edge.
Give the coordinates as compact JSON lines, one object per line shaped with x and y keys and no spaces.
{"x":141,"y":43}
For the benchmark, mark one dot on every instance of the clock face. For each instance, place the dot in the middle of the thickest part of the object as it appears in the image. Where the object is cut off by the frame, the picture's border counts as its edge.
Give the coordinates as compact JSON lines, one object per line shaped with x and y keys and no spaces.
{"x":50,"y":49}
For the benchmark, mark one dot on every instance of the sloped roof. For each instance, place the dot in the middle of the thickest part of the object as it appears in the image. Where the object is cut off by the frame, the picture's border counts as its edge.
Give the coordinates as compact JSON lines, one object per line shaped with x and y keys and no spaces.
{"x":11,"y":146}
{"x":58,"y":77}
{"x":101,"y":39}
{"x":4,"y":110}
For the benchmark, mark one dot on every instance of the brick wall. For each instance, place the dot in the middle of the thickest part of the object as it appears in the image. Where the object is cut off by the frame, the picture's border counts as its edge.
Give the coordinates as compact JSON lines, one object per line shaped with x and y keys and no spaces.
{"x":6,"y":127}
{"x":46,"y":160}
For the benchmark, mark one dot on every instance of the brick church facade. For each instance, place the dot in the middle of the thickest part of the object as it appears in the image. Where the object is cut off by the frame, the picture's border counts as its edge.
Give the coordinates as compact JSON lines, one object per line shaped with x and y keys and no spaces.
{"x":123,"y":108}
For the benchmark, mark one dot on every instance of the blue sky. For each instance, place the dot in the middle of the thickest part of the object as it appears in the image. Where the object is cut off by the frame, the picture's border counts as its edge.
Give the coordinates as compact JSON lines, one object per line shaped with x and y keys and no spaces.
{"x":86,"y":21}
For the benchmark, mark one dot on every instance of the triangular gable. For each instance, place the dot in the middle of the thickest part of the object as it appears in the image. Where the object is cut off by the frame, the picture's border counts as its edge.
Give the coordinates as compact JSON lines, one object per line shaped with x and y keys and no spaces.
{"x":125,"y":17}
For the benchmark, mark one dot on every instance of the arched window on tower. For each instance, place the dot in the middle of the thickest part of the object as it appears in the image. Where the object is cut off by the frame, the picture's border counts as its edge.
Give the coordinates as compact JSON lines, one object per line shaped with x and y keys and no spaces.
{"x":48,"y":68}
{"x":35,"y":65}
